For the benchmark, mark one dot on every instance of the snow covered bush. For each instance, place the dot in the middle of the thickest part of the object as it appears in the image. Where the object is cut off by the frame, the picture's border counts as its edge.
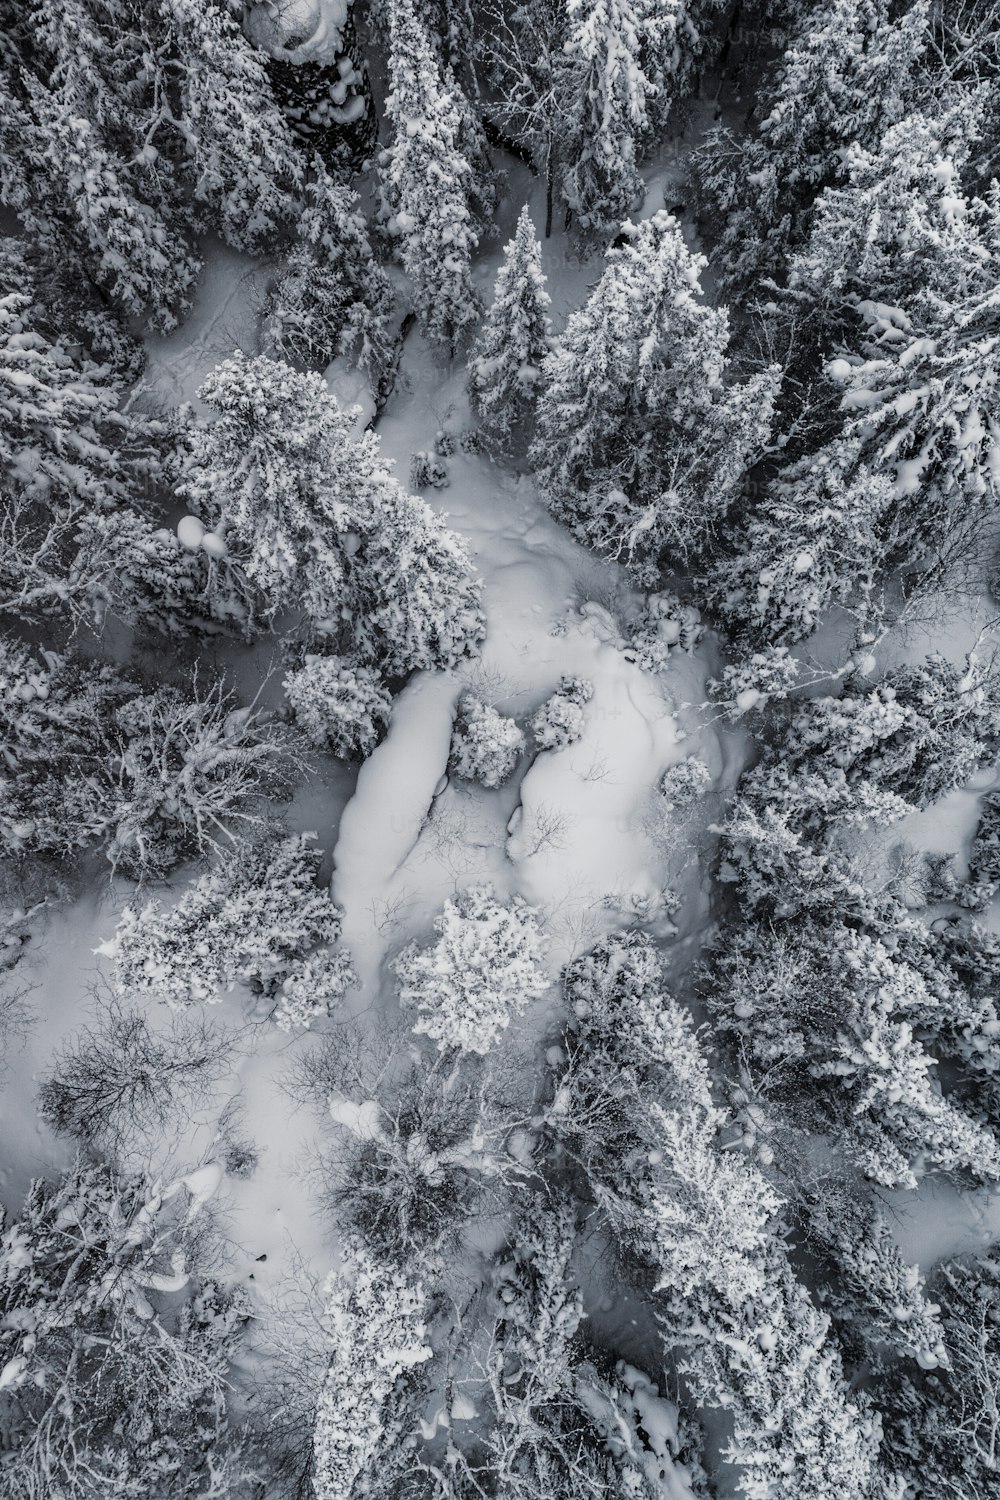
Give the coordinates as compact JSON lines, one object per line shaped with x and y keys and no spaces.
{"x":560,"y":721}
{"x":256,"y":918}
{"x":377,"y":1319}
{"x":340,"y":708}
{"x":427,"y":471}
{"x":413,"y":1174}
{"x":484,"y":968}
{"x":313,"y":988}
{"x":666,"y":624}
{"x":683,"y":784}
{"x":91,"y":1326}
{"x":485,"y":744}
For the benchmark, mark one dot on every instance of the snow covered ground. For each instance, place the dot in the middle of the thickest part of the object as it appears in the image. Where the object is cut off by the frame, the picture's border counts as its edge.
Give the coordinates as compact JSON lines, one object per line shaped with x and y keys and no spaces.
{"x":576,"y":832}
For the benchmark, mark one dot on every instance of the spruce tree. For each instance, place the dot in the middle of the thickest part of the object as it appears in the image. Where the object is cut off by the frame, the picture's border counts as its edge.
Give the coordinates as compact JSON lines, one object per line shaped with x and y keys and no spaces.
{"x":505,"y":368}
{"x":428,"y":183}
{"x":844,"y":80}
{"x":640,"y":445}
{"x":332,"y":297}
{"x":609,"y":117}
{"x":314,"y":518}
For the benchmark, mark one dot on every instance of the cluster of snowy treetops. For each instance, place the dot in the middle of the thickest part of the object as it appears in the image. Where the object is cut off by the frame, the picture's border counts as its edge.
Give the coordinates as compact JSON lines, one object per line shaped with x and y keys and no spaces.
{"x":821,"y":441}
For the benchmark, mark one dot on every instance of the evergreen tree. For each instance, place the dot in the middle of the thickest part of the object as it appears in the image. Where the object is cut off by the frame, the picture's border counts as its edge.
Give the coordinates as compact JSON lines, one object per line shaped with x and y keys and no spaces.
{"x":918,"y":734}
{"x":428,"y":183}
{"x":258,"y":918}
{"x":609,"y":116}
{"x":77,"y":167}
{"x":636,"y":429}
{"x":117,"y":120}
{"x":900,"y":229}
{"x":923,"y":409}
{"x":843,"y":80}
{"x":72,"y":543}
{"x":818,"y":540}
{"x":484,"y":968}
{"x":675,"y":34}
{"x":505,"y":366}
{"x":632,"y":1103}
{"x":236,"y":146}
{"x":312,"y":515}
{"x":332,"y":297}
{"x":377,"y":1318}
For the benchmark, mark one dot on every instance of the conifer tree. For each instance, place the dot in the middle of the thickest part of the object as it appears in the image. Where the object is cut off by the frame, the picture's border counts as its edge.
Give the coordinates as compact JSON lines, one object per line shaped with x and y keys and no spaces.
{"x":311,"y":513}
{"x":377,"y":1318}
{"x":332,"y":297}
{"x":515,"y":337}
{"x":675,"y":34}
{"x":843,"y":80}
{"x":609,"y":116}
{"x":640,"y":445}
{"x":236,"y":146}
{"x":127,"y":129}
{"x":77,"y":170}
{"x":427,"y":182}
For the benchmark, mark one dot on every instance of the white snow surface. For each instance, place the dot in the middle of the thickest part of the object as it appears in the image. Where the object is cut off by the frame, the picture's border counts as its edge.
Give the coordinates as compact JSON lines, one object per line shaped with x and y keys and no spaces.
{"x":571,"y":832}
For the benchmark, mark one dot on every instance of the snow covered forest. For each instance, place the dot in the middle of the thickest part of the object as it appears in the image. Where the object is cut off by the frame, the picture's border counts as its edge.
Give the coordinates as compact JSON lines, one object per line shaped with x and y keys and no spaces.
{"x":499,"y":750}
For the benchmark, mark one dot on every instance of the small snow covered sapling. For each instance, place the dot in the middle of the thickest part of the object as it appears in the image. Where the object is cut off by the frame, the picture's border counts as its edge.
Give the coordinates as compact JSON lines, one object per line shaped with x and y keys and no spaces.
{"x":485,"y":744}
{"x":666,"y":625}
{"x":340,"y":708}
{"x":484,"y":968}
{"x":683,"y":784}
{"x":427,"y":471}
{"x":560,"y":720}
{"x":752,"y":683}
